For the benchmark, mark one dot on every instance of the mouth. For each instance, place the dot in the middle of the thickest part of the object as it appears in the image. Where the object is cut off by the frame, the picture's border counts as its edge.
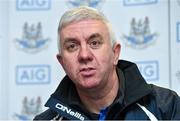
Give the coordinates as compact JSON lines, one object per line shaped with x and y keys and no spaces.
{"x":87,"y":72}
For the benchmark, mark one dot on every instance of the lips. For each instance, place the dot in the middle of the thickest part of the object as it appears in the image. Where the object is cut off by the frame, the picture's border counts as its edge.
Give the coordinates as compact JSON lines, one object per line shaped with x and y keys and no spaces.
{"x":86,"y":72}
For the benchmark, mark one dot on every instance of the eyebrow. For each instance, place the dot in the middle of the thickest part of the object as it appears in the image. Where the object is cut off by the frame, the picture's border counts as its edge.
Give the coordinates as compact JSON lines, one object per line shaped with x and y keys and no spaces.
{"x":67,"y":40}
{"x":71,"y":39}
{"x":94,"y":36}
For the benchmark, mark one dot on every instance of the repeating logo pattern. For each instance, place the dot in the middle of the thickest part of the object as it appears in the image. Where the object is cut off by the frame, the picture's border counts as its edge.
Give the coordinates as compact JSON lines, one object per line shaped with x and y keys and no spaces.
{"x":140,"y":35}
{"x":32,"y":40}
{"x":30,"y":108}
{"x":90,"y":3}
{"x":33,"y":4}
{"x":33,"y":74}
{"x":139,"y":2}
{"x":149,"y":69}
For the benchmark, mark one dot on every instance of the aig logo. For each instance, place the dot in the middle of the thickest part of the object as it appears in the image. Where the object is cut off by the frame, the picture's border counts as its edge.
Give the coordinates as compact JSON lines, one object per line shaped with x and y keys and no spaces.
{"x":139,"y":2}
{"x":33,"y":4}
{"x":33,"y":74}
{"x":178,"y":32}
{"x":149,"y":70}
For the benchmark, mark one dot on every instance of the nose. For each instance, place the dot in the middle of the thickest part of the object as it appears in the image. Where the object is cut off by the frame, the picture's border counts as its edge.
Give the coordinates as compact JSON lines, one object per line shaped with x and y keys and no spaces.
{"x":85,"y":55}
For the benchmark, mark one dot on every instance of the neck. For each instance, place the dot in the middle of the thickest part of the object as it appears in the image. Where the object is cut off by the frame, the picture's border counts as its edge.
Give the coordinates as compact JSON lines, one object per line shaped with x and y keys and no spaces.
{"x":96,"y":99}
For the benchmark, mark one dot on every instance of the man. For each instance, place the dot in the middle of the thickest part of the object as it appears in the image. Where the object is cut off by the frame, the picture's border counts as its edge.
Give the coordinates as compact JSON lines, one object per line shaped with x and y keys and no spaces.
{"x":98,"y":86}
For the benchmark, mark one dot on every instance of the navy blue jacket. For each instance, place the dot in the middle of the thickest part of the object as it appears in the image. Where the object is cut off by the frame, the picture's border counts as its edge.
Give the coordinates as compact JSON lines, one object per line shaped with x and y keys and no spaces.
{"x":136,"y":100}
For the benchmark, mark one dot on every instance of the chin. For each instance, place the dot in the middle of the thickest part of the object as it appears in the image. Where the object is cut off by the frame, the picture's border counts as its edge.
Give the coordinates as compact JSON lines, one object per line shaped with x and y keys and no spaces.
{"x":90,"y":85}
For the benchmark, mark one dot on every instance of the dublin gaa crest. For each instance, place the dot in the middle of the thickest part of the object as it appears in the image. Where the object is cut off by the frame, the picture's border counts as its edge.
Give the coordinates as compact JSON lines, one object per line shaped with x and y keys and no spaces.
{"x":140,"y":35}
{"x":30,"y":108}
{"x":90,"y":3}
{"x":32,"y":40}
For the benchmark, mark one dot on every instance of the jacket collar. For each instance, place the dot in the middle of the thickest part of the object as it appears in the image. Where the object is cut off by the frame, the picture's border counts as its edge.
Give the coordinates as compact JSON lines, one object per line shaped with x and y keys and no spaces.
{"x":132,"y":86}
{"x":66,"y":92}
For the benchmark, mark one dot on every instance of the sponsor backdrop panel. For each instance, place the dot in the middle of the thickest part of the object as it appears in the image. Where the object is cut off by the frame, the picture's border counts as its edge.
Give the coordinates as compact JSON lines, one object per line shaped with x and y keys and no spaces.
{"x":3,"y":59}
{"x":175,"y":45}
{"x":141,"y":34}
{"x":34,"y":72}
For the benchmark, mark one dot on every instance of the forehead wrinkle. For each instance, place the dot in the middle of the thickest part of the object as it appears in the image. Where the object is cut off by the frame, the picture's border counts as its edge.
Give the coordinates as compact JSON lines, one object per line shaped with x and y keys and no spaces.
{"x":78,"y":35}
{"x":79,"y":30}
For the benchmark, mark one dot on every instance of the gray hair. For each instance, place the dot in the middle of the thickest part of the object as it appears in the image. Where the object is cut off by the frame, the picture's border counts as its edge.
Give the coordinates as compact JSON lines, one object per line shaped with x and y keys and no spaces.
{"x":84,"y":13}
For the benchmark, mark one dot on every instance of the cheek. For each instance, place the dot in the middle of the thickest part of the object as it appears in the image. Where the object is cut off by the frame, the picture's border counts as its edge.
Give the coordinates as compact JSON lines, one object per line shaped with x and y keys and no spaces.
{"x":107,"y":55}
{"x":105,"y":60}
{"x":70,"y":66}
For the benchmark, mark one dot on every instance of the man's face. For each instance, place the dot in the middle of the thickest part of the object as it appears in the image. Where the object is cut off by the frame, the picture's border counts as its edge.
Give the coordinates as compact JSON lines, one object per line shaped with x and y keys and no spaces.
{"x":87,"y":55}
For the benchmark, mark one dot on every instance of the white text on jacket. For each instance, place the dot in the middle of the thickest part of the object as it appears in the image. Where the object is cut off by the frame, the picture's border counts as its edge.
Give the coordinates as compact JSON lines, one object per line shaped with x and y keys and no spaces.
{"x":69,"y":111}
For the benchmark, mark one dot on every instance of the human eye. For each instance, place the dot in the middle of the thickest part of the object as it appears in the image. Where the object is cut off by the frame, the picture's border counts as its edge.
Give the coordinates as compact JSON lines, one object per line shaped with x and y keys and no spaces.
{"x":95,"y":43}
{"x":71,"y":46}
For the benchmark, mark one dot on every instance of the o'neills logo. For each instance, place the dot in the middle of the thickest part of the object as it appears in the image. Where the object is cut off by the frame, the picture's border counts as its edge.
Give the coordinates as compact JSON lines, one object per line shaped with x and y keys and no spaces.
{"x":69,"y":111}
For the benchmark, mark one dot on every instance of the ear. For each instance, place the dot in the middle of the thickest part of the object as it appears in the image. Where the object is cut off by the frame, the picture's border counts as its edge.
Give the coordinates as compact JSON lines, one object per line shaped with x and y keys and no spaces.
{"x":59,"y":58}
{"x":116,"y":49}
